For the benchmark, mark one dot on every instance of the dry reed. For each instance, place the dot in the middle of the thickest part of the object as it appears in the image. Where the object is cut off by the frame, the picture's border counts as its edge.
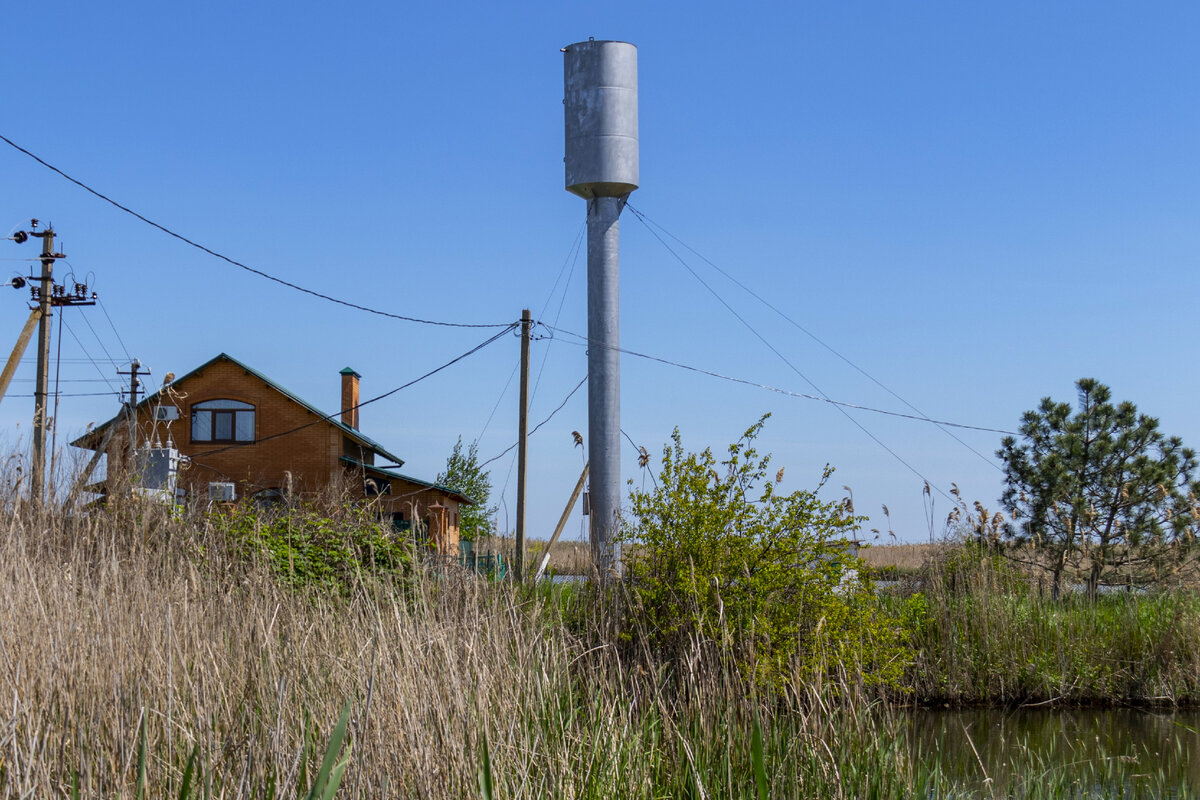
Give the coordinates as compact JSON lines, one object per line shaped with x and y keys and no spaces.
{"x":136,"y":621}
{"x":133,"y":621}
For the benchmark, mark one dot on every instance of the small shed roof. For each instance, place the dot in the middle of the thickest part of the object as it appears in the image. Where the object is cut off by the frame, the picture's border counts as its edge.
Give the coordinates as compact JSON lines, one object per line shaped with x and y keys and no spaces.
{"x":390,"y":473}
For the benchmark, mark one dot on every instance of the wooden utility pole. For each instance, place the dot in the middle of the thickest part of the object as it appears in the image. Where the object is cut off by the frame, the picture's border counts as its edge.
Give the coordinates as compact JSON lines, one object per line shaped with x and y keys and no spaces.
{"x":128,"y":411}
{"x":562,"y":523}
{"x":522,"y":436}
{"x":14,"y":359}
{"x":135,"y":369}
{"x":85,"y":475}
{"x":40,"y":419}
{"x":47,"y":295}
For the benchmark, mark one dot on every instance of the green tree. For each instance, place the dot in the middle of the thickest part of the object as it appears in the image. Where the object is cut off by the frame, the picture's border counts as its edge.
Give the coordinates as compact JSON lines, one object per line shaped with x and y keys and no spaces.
{"x":464,"y":474}
{"x":722,"y":558}
{"x":1100,"y":495}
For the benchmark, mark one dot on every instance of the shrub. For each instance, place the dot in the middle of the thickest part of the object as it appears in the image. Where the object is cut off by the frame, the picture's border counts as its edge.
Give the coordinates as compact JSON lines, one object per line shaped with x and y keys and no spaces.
{"x":311,"y":544}
{"x":723,"y":559}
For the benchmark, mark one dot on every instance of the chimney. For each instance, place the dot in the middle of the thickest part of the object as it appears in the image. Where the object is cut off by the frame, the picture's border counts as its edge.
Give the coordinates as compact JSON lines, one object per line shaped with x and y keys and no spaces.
{"x":350,"y":397}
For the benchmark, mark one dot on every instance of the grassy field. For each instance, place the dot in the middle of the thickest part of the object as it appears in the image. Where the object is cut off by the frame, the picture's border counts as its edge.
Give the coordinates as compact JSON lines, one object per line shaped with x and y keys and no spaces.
{"x":993,"y":635}
{"x":574,"y":557}
{"x":909,"y":557}
{"x":137,"y":642}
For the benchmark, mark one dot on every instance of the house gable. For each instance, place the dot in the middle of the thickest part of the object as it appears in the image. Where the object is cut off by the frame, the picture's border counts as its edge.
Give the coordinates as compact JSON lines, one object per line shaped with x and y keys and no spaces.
{"x":355,"y":445}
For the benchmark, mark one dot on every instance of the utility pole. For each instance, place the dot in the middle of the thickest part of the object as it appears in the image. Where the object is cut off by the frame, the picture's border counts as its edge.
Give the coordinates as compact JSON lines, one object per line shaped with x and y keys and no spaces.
{"x":522,"y":436}
{"x":47,"y":295}
{"x":40,"y":419}
{"x":14,"y":359}
{"x":562,"y":523}
{"x":135,"y":369}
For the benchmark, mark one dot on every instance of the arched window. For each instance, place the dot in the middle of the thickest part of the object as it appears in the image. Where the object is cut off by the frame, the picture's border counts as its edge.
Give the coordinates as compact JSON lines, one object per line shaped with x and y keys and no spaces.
{"x":222,"y":421}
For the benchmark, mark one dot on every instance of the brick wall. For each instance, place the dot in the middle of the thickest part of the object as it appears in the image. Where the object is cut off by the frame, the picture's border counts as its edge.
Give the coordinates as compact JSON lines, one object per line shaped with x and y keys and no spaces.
{"x":304,"y":460}
{"x":308,"y":455}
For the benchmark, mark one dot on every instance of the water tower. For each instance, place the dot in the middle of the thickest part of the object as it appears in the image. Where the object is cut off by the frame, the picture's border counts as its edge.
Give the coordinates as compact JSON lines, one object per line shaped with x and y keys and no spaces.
{"x":600,"y":79}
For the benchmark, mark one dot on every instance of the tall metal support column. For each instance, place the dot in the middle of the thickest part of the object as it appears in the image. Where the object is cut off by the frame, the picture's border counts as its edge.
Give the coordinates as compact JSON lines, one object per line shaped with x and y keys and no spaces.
{"x":604,"y":376}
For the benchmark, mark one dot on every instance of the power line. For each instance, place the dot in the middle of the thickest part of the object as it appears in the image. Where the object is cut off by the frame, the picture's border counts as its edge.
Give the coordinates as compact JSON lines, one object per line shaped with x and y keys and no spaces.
{"x":645,"y":220}
{"x":499,"y":399}
{"x":79,"y":394}
{"x":796,"y":370}
{"x":57,"y":396}
{"x":540,"y":424}
{"x":114,"y":330}
{"x":64,"y":380}
{"x":63,"y":321}
{"x":375,"y":399}
{"x":98,"y":340}
{"x":239,"y":264}
{"x":69,"y":360}
{"x":572,"y":258}
{"x":585,"y":343}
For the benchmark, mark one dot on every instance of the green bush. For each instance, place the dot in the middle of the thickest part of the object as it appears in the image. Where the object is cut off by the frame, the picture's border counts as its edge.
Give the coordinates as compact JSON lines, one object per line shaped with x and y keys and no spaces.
{"x":721,"y":559}
{"x":313,"y":545}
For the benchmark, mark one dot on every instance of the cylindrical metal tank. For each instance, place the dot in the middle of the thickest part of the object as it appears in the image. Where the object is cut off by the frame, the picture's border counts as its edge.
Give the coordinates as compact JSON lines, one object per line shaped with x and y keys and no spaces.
{"x":601,"y":118}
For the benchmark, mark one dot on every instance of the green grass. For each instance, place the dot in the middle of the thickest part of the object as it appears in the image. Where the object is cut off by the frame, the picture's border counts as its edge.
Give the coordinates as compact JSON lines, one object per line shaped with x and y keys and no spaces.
{"x":989,"y":639}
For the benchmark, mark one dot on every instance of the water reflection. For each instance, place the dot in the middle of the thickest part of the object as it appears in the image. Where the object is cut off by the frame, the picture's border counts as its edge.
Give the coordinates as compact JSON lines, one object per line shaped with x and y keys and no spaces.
{"x":1012,"y":747}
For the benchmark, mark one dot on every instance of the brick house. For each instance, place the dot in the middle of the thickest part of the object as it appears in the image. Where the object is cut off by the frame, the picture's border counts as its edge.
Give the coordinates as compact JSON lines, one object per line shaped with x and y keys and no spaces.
{"x":234,"y":425}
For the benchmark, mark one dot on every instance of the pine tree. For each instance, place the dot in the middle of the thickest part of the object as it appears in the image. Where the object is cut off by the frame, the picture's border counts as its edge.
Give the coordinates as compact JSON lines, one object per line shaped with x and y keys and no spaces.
{"x":1100,"y":495}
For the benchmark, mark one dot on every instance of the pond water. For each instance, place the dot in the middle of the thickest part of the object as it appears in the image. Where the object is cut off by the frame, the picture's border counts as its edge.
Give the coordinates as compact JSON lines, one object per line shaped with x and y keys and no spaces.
{"x":1019,"y":747}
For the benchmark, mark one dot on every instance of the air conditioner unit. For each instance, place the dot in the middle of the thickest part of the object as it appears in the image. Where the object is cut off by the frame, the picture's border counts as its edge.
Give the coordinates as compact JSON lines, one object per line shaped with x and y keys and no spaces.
{"x":221,"y":492}
{"x":165,"y":413}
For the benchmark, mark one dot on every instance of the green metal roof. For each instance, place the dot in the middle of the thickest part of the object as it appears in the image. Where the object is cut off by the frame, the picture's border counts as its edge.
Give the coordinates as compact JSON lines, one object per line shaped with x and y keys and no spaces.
{"x":393,"y":474}
{"x":331,"y":419}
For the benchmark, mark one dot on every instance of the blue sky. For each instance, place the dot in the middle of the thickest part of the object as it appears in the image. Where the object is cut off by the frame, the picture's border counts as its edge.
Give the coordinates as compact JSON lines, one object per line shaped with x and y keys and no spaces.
{"x":976,"y":206}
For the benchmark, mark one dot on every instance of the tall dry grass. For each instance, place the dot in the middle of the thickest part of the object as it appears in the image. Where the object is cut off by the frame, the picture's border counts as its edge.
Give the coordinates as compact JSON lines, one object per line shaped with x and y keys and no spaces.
{"x":137,"y":623}
{"x":116,"y":621}
{"x":901,"y":556}
{"x":571,"y":557}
